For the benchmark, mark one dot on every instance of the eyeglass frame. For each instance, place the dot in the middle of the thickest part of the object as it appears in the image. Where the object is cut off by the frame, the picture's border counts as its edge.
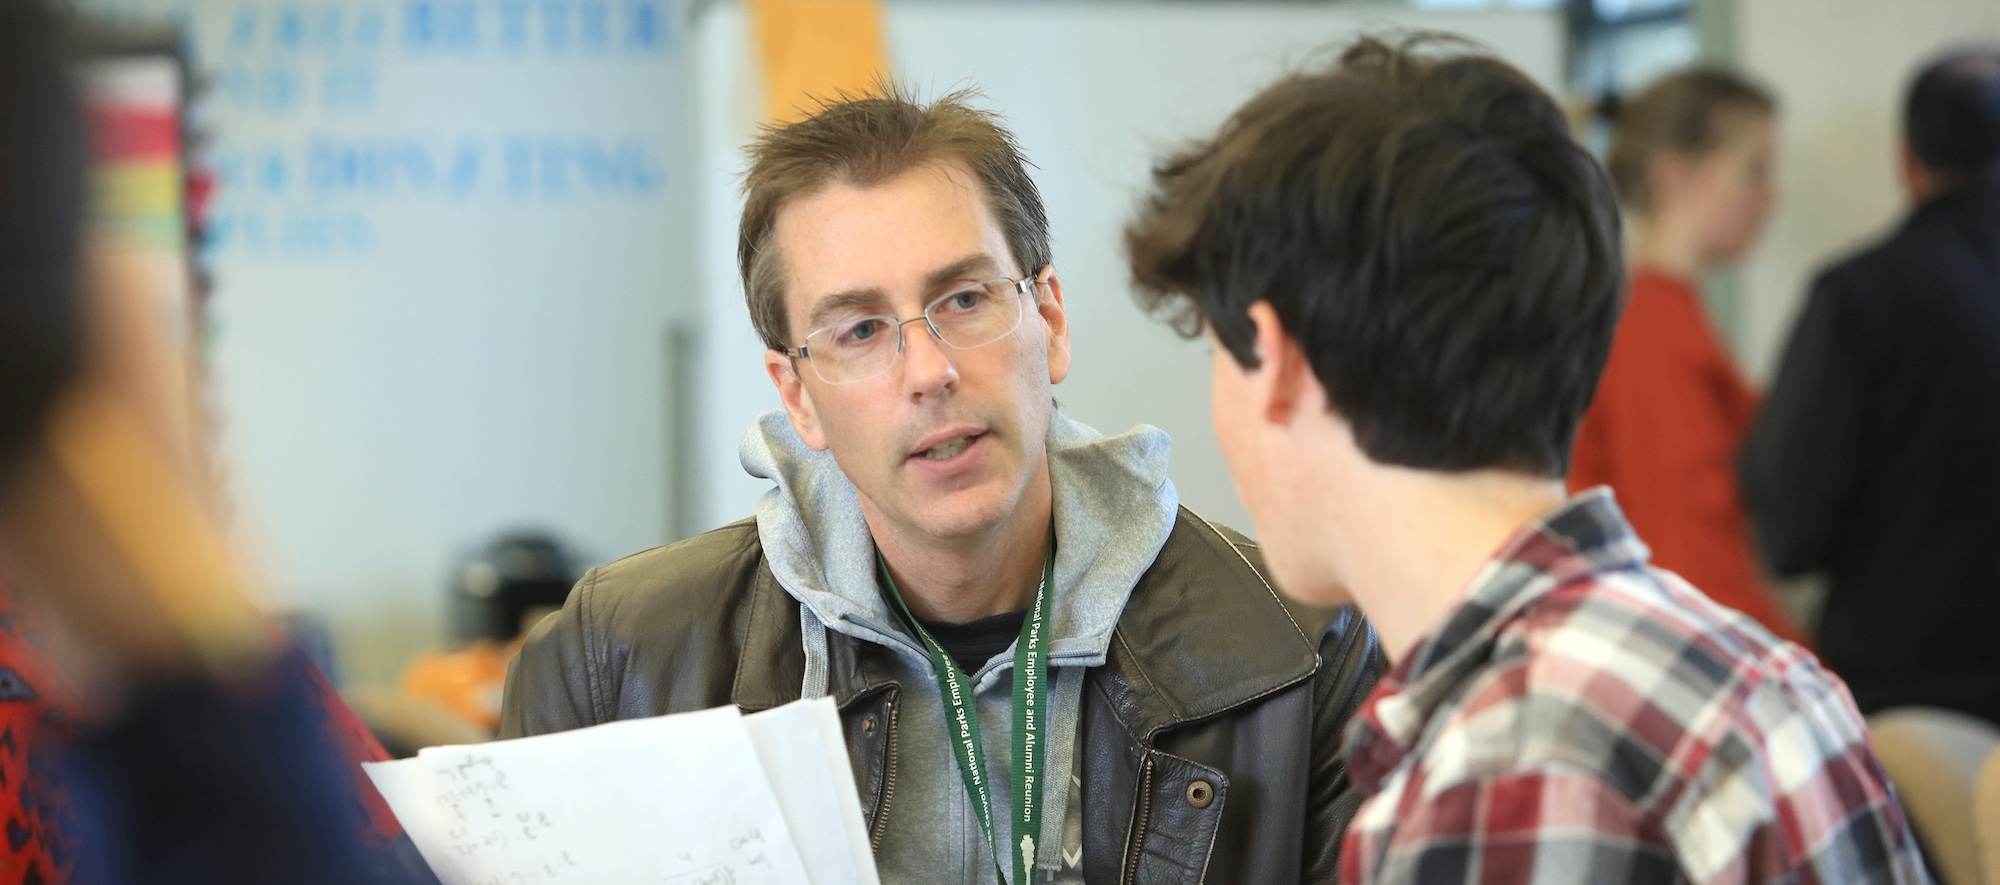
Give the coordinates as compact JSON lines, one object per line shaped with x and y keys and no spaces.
{"x":1023,"y":286}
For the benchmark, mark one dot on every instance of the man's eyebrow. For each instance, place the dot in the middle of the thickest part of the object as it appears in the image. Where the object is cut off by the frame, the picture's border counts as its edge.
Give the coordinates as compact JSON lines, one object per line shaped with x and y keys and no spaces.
{"x":840,"y":303}
{"x":977,"y":263}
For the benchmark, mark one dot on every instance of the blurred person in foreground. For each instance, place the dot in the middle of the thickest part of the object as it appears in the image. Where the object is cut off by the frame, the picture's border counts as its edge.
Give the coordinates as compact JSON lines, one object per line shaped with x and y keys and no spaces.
{"x":943,"y":546}
{"x":1877,"y":457}
{"x":208,"y":756}
{"x":1410,"y":276}
{"x":1691,"y":161}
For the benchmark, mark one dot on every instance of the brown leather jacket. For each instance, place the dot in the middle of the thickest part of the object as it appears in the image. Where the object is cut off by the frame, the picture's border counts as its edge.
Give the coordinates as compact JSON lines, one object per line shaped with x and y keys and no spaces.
{"x":1210,"y":679}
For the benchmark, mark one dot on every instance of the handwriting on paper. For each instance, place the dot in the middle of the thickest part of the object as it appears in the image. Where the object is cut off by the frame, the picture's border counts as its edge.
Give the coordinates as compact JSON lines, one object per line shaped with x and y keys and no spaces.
{"x":679,"y":800}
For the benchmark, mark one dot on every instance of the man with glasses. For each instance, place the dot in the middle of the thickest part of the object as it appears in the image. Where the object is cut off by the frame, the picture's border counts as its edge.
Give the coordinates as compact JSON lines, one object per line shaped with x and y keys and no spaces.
{"x":1047,"y":669}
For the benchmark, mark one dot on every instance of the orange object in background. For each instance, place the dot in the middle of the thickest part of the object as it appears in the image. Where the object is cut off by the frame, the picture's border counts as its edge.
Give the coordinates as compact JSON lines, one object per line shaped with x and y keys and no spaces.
{"x":810,"y":50}
{"x":467,"y":681}
{"x":1669,"y":421}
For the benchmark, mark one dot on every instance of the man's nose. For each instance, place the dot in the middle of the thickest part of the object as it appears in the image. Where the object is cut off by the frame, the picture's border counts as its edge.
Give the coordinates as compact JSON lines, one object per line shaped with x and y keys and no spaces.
{"x":927,"y":362}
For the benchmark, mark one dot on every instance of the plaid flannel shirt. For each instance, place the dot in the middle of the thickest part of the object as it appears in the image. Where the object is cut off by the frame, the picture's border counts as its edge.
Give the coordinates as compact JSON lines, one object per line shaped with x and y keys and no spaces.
{"x":1583,"y":717}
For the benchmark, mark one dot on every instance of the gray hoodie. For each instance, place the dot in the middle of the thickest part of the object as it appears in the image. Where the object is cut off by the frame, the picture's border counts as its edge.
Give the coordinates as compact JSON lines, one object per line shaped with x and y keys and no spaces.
{"x":1114,"y":507}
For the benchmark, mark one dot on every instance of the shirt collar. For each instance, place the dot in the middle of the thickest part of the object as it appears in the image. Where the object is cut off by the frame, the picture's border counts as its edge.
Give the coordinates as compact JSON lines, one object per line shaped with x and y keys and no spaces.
{"x":1587,"y":535}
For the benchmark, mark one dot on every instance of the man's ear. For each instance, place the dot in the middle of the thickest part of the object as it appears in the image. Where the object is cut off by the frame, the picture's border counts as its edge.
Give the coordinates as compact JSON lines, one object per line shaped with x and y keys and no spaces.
{"x":798,"y":402}
{"x":1055,"y":322}
{"x":1284,"y":377}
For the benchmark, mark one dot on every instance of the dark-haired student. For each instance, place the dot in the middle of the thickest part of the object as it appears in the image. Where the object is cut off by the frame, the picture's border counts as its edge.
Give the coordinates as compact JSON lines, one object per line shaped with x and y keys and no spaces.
{"x":1877,"y":458}
{"x":1411,"y":275}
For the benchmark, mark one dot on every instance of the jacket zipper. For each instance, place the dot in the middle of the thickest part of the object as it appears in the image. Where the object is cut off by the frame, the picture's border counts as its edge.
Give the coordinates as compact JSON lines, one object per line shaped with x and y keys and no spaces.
{"x":888,"y":788}
{"x":1138,"y":838}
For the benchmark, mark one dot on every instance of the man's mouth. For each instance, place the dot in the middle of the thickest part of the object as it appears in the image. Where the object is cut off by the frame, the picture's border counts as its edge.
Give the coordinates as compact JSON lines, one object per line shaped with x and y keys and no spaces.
{"x":949,"y":447}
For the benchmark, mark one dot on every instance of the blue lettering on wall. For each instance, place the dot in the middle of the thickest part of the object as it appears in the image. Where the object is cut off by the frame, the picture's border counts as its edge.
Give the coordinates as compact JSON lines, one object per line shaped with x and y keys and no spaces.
{"x":243,"y":28}
{"x":593,"y":24}
{"x":560,"y":167}
{"x":256,"y":29}
{"x":293,"y":28}
{"x":317,"y":179}
{"x":555,"y":25}
{"x":513,"y":16}
{"x":290,"y":30}
{"x":550,"y":167}
{"x":621,"y":168}
{"x":306,"y":233}
{"x":440,"y":24}
{"x":272,"y":174}
{"x":395,"y":166}
{"x":646,"y":29}
{"x":519,"y":158}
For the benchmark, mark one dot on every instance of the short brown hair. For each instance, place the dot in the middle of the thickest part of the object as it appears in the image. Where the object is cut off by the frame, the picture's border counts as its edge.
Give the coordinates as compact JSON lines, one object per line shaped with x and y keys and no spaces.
{"x":862,"y":142}
{"x":1423,"y":224}
{"x":1688,"y":113}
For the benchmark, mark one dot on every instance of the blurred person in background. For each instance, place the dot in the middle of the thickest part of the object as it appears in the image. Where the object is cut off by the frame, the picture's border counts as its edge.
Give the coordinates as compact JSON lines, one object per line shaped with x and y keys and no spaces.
{"x":209,"y":752}
{"x":495,"y":598}
{"x":1877,"y":457}
{"x":1691,"y":161}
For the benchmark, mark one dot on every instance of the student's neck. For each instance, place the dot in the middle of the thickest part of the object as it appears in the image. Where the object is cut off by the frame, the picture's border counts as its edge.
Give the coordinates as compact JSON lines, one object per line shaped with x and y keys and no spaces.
{"x":1411,"y":548}
{"x":965,"y":578}
{"x":1669,"y":243}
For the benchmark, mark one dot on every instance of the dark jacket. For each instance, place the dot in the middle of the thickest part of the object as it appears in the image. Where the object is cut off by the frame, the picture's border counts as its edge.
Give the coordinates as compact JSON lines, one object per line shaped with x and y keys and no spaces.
{"x":1877,"y":459}
{"x":1210,"y":677}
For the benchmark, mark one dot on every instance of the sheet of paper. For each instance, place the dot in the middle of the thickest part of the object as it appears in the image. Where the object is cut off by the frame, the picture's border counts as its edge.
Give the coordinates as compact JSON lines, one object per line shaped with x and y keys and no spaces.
{"x":673,"y":800}
{"x":805,"y":756}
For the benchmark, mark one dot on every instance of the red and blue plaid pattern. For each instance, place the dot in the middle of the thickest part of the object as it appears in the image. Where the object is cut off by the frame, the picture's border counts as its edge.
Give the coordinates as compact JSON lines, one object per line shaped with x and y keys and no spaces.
{"x":1583,"y":717}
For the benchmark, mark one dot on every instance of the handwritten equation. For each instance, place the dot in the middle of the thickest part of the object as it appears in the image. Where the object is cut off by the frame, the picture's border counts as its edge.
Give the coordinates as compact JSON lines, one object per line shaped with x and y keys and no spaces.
{"x":483,"y":817}
{"x":750,"y":855}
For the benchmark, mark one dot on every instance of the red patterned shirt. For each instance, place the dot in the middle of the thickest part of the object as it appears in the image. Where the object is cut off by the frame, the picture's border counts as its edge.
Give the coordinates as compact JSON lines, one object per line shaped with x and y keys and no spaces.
{"x":1584,"y":717}
{"x":42,"y":708}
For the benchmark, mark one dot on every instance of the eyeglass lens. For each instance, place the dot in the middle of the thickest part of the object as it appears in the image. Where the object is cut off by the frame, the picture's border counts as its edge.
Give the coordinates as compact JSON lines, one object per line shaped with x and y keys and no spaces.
{"x":864,"y":347}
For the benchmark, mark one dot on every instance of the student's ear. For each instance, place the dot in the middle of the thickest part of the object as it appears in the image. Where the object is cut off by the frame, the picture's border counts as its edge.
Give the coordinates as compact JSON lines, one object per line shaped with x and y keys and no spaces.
{"x":1055,"y":320}
{"x":1284,"y":378}
{"x":798,"y":402}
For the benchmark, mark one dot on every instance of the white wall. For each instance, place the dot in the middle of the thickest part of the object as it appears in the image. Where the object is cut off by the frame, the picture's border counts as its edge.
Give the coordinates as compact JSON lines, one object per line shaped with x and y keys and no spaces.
{"x":1840,"y":68}
{"x":449,"y":240}
{"x":1096,"y":92}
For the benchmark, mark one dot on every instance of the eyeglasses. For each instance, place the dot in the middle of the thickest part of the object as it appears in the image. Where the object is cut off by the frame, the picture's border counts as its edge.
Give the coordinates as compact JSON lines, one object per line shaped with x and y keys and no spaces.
{"x":864,"y":347}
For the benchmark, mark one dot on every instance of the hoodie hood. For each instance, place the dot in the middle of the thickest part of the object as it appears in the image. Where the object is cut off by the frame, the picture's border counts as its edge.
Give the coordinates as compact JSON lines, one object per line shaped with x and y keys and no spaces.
{"x":1114,"y":507}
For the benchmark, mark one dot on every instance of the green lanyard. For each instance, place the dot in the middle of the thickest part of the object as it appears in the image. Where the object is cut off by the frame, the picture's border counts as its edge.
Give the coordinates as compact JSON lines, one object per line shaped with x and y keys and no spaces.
{"x":1031,"y":704}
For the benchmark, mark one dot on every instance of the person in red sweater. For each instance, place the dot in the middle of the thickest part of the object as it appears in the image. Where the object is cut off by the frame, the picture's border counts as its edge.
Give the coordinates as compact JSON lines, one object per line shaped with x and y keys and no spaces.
{"x":1691,"y":159}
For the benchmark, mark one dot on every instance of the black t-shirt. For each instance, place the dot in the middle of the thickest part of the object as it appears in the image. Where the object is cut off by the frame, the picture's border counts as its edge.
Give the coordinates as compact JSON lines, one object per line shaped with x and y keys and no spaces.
{"x":973,"y":643}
